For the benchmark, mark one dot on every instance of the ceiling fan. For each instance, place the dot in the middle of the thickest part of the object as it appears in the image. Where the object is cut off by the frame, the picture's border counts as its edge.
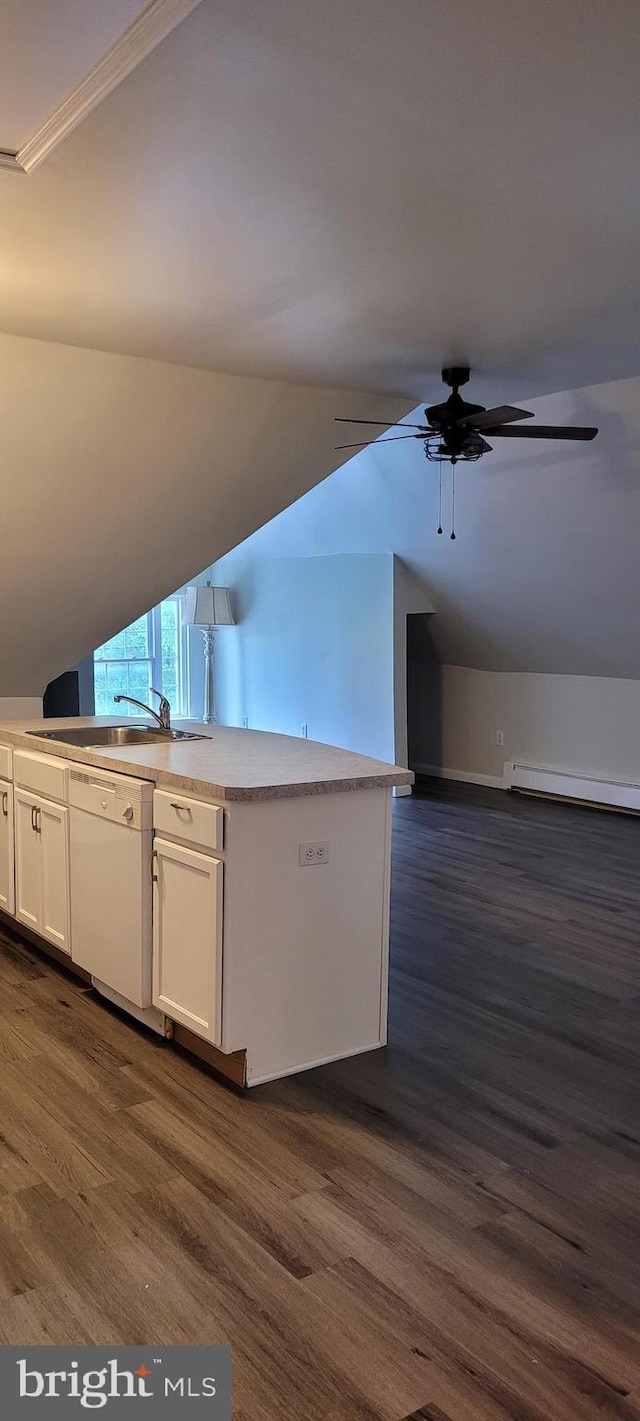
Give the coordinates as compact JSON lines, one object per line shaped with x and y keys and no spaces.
{"x":455,"y":429}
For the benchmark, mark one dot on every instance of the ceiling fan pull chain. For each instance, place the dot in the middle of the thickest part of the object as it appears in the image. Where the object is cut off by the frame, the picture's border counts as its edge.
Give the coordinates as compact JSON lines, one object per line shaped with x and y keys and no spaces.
{"x":440,"y":497}
{"x":453,"y":499}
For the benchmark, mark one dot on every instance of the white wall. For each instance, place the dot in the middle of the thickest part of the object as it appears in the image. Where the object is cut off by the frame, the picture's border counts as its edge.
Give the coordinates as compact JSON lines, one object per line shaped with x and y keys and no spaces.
{"x":314,"y":645}
{"x":587,"y":724}
{"x":20,"y":708}
{"x":122,"y":477}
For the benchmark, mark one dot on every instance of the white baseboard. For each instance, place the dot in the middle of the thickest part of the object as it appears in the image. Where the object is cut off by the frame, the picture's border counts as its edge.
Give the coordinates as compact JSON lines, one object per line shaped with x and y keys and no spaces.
{"x":490,"y":781}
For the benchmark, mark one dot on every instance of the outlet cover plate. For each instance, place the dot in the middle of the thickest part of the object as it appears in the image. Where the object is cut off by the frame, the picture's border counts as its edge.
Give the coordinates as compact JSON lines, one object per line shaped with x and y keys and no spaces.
{"x":311,"y":854}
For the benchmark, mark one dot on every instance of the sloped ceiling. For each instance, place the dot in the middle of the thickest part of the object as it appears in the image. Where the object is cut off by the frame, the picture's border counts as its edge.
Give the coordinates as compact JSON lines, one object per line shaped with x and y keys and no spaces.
{"x":351,"y":194}
{"x":544,"y":574}
{"x":119,"y":476}
{"x":338,"y":195}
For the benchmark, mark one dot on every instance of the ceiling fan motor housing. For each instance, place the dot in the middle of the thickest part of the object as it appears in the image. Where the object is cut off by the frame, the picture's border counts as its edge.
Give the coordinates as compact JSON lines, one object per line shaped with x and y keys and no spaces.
{"x":445,"y":415}
{"x":456,"y":375}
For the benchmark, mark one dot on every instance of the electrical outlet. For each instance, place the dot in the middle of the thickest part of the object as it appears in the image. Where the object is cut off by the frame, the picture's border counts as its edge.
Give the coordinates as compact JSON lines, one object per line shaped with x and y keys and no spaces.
{"x":310,"y":854}
{"x":304,"y":730}
{"x":499,"y":737}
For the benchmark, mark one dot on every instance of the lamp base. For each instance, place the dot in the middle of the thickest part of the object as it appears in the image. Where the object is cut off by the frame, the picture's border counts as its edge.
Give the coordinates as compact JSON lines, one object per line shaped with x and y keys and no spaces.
{"x":208,"y":717}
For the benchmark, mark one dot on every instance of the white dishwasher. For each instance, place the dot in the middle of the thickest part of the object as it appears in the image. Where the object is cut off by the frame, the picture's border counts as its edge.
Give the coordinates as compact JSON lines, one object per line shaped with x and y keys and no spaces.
{"x":110,"y":846}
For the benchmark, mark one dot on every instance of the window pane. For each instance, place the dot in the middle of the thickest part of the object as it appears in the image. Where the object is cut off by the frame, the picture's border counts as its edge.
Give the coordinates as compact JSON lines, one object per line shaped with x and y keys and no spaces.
{"x":100,"y":688}
{"x":137,"y":639}
{"x":139,"y":682}
{"x":117,"y":683}
{"x":135,"y":659}
{"x":169,"y":652}
{"x":112,"y":650}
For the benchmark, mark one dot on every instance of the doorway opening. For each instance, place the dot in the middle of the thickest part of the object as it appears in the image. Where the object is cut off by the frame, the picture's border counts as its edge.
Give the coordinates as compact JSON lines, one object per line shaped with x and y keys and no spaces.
{"x":424,"y":695}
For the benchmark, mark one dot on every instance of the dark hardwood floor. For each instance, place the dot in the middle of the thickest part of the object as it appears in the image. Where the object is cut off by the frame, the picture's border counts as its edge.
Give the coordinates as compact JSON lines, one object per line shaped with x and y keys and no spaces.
{"x":447,"y":1230}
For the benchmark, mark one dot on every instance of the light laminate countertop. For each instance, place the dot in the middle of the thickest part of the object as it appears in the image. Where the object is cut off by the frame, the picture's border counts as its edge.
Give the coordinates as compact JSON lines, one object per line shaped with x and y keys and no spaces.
{"x":228,"y":764}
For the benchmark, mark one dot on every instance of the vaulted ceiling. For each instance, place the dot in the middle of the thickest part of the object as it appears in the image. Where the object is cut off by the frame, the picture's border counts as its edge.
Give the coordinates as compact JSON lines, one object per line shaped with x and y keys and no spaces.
{"x":342,"y":193}
{"x":345,"y":194}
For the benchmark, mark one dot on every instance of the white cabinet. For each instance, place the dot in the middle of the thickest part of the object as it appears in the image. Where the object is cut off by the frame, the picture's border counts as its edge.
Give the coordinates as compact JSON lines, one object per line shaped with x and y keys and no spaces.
{"x":7,"y":887}
{"x":187,"y":938}
{"x":42,"y":866}
{"x":27,"y":860}
{"x":53,"y":833}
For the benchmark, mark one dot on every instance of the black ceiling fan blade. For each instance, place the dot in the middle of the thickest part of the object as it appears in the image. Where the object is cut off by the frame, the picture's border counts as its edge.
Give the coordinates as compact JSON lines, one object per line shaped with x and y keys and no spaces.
{"x":384,"y":424}
{"x":490,"y":419}
{"x":545,"y":431}
{"x":366,"y":443}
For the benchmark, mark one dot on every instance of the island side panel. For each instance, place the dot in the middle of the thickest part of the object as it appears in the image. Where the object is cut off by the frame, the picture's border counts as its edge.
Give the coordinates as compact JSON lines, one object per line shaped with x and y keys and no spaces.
{"x":305,"y":955}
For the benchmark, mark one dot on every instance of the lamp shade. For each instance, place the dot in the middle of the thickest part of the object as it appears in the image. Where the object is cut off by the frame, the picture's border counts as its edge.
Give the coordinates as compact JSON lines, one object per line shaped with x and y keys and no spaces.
{"x":208,"y":607}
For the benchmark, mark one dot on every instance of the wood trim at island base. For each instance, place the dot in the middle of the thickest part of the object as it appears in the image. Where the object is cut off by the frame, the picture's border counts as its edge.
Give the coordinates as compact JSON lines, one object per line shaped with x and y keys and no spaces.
{"x":232,"y":1064}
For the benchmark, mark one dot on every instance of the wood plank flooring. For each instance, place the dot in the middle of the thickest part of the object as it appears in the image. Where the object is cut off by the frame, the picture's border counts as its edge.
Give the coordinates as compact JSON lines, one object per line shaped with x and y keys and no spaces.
{"x":444,"y":1231}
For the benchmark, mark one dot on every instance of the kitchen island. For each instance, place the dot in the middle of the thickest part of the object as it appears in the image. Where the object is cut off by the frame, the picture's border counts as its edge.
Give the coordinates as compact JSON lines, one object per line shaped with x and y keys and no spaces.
{"x":267,"y":923}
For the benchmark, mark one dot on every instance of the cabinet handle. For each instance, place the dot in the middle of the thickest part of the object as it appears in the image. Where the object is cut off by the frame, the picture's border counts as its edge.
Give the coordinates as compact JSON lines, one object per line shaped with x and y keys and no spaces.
{"x":33,"y":819}
{"x":181,"y":808}
{"x":38,"y":824}
{"x":5,"y":803}
{"x":154,"y":855}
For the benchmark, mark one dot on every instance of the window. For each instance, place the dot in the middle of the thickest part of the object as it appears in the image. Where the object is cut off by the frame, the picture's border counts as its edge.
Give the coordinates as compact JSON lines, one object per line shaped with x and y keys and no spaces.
{"x":151,"y":652}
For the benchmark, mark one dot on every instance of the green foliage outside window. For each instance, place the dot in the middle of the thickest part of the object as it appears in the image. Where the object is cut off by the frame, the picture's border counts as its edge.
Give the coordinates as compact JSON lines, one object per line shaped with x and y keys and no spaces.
{"x":150,"y":652}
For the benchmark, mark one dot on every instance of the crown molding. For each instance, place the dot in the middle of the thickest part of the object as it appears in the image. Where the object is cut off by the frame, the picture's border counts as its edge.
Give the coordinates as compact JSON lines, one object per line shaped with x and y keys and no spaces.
{"x":157,"y":21}
{"x":10,"y":161}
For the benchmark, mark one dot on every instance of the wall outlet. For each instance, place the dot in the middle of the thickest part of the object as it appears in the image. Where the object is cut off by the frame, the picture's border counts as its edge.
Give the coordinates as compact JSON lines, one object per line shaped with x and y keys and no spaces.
{"x":310,"y":854}
{"x":499,"y":737}
{"x":304,"y":730}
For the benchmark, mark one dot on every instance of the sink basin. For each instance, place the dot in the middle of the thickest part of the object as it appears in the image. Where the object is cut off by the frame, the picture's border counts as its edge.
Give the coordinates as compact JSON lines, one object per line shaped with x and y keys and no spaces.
{"x":96,"y":735}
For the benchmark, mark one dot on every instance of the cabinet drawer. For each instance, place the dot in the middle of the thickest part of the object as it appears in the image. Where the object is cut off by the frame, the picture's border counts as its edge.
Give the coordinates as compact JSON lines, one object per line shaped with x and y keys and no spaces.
{"x":6,"y":769}
{"x":190,"y":820}
{"x":42,"y":773}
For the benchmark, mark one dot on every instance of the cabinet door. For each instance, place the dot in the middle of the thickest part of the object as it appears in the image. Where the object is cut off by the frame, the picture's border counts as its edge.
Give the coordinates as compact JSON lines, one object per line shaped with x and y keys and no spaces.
{"x":7,"y":888}
{"x":53,"y":834}
{"x":27,"y":844}
{"x":187,"y":938}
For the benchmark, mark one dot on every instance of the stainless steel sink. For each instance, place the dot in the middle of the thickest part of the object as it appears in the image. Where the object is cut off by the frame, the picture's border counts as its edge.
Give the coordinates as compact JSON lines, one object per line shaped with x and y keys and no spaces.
{"x":96,"y":735}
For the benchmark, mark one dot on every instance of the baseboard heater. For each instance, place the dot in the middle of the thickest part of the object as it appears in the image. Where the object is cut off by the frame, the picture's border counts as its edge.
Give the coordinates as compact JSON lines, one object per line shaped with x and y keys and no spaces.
{"x":561,"y":784}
